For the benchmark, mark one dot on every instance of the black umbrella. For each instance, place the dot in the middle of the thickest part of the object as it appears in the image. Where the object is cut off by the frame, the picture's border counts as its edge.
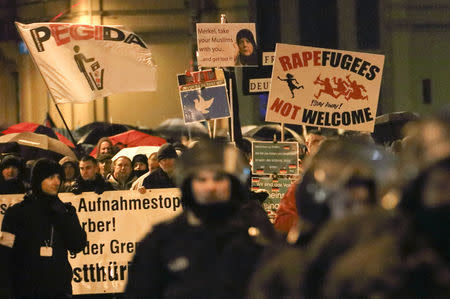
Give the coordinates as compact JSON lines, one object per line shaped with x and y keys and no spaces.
{"x":174,"y":128}
{"x":91,"y":133}
{"x":266,"y":132}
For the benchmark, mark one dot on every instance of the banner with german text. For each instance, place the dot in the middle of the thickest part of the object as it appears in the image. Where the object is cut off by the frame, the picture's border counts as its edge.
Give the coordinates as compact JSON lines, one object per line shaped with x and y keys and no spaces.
{"x":114,"y":222}
{"x":81,"y":62}
{"x":325,"y":87}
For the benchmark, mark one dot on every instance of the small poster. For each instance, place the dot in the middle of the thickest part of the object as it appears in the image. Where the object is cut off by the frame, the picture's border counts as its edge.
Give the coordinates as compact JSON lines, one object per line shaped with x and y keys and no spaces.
{"x":279,"y":158}
{"x":203,"y":95}
{"x":276,"y":187}
{"x":325,"y":87}
{"x":226,"y":45}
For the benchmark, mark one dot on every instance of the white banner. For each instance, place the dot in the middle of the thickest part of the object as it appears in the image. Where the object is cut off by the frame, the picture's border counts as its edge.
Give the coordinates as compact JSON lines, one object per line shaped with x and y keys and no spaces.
{"x":114,"y":222}
{"x":325,"y":87}
{"x":82,"y":62}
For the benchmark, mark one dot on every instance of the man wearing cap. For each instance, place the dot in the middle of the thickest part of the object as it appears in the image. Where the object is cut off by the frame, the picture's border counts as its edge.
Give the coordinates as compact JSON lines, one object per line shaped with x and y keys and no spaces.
{"x":36,"y":235}
{"x":162,"y":176}
{"x":211,"y":248}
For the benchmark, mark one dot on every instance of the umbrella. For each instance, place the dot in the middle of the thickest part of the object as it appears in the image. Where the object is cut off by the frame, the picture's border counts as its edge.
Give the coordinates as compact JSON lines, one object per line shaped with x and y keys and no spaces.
{"x":134,"y":138}
{"x":175,"y":128}
{"x":92,"y":132}
{"x":388,"y":127}
{"x":130,"y":152}
{"x":31,"y":146}
{"x":266,"y":132}
{"x":39,"y":129}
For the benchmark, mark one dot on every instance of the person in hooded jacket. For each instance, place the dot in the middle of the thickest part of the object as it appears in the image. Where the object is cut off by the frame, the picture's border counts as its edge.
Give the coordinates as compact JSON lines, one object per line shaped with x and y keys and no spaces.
{"x":36,"y":236}
{"x":212,"y":247}
{"x":12,"y":170}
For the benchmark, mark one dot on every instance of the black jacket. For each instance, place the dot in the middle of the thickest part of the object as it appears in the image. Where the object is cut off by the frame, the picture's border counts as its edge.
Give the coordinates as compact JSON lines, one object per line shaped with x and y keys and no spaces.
{"x":158,"y":179}
{"x":98,"y":185}
{"x":31,"y":222}
{"x":179,"y":259}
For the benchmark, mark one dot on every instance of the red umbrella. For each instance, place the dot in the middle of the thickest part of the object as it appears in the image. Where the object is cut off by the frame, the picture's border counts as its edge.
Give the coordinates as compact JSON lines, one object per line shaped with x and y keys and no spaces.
{"x":134,"y":138}
{"x":39,"y":129}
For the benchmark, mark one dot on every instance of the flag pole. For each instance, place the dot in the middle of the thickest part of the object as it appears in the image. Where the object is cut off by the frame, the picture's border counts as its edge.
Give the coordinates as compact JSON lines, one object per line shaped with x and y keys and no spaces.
{"x":48,"y":89}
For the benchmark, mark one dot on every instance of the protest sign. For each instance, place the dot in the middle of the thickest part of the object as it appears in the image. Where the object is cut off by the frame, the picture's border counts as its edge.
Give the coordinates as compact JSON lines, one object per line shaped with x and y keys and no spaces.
{"x":81,"y":62}
{"x":114,"y":222}
{"x":229,"y":44}
{"x":325,"y":87}
{"x":276,"y":187}
{"x":274,"y":158}
{"x":203,"y":95}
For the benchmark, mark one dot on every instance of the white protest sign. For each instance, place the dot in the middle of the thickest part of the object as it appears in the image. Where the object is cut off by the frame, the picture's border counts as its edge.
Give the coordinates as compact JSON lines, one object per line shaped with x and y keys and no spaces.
{"x":81,"y":62}
{"x":325,"y":87}
{"x":114,"y":222}
{"x":229,"y":44}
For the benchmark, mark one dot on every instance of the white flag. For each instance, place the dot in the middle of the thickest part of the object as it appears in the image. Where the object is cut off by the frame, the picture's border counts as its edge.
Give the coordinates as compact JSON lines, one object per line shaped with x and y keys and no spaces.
{"x":81,"y":62}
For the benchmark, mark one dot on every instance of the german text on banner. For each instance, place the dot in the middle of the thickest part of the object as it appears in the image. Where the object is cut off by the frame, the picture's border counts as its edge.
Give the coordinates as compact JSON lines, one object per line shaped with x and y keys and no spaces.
{"x":325,"y":87}
{"x":114,"y":222}
{"x":82,"y":62}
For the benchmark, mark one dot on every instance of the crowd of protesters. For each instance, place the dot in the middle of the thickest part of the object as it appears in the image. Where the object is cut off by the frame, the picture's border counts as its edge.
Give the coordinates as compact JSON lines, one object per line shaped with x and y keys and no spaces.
{"x":364,"y":220}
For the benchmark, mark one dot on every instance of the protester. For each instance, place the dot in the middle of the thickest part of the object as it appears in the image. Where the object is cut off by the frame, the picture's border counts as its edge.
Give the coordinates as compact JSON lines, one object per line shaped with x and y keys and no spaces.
{"x":139,"y":165}
{"x":341,"y":192}
{"x":210,"y":250}
{"x":71,"y":171}
{"x":122,"y":176}
{"x":162,"y":177}
{"x":36,"y":235}
{"x":12,"y":171}
{"x":153,"y":164}
{"x":287,"y":215}
{"x":104,"y":146}
{"x":89,"y":179}
{"x":104,"y":164}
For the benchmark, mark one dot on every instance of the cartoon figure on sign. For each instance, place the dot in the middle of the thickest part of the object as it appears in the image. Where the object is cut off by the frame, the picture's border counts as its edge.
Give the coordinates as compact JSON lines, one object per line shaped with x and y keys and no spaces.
{"x":327,"y":88}
{"x":341,"y":87}
{"x":94,"y":78}
{"x":355,"y":90}
{"x":290,"y":82}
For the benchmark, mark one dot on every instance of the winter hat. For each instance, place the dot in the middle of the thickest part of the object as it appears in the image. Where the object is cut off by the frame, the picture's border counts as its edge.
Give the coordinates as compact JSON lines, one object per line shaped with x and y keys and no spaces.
{"x":42,"y":169}
{"x":167,"y":151}
{"x":140,"y":158}
{"x":68,"y":159}
{"x":11,"y":160}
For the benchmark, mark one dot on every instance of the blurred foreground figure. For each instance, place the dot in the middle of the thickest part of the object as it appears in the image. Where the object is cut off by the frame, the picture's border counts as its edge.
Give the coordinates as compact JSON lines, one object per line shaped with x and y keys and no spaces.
{"x":211,"y":249}
{"x":376,"y":253}
{"x":36,"y":235}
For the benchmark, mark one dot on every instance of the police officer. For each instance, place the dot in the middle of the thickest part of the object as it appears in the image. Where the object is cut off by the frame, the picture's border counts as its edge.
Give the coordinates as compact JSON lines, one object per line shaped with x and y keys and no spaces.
{"x":36,"y":235}
{"x":210,"y":250}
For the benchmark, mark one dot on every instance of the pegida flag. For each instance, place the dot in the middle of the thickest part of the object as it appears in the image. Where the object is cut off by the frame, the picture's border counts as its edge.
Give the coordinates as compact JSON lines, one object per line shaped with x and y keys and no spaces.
{"x":325,"y":87}
{"x":81,"y":62}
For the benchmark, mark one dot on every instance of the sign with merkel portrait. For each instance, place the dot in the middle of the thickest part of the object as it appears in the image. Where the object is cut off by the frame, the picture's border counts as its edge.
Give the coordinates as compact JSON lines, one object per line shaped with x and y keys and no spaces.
{"x":229,"y":44}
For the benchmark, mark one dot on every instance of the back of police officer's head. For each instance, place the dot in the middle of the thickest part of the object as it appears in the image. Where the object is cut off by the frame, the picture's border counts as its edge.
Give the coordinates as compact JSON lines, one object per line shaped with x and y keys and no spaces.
{"x":212,"y":176}
{"x":46,"y":177}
